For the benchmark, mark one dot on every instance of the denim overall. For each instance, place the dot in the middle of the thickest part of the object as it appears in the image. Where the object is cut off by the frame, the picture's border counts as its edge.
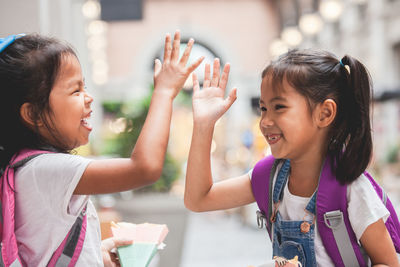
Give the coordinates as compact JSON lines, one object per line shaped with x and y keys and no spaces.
{"x":288,"y":239}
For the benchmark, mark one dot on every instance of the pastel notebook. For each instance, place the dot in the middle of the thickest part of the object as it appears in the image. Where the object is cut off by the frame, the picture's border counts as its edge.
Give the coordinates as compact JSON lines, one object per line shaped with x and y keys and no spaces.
{"x":147,"y":239}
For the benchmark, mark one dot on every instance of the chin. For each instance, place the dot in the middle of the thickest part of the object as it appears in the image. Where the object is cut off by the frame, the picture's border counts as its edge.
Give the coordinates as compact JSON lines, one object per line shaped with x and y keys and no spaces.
{"x":278,"y":155}
{"x":84,"y":143}
{"x":80,"y":143}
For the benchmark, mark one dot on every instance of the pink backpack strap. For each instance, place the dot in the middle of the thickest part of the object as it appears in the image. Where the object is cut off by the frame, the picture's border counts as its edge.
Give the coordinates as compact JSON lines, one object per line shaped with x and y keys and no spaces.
{"x":69,"y":250}
{"x":9,"y":248}
{"x":9,"y":251}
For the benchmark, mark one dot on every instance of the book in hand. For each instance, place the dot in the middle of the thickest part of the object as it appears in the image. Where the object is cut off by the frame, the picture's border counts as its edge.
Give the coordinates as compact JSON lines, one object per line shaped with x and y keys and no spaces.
{"x":147,"y":239}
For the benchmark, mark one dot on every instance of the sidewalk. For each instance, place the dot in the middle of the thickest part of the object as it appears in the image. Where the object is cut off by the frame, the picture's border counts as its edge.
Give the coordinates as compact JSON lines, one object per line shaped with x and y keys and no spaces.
{"x":218,"y":239}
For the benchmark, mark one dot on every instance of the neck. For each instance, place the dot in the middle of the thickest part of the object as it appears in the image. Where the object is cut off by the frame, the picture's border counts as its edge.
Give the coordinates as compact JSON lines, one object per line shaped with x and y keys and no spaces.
{"x":304,"y":174}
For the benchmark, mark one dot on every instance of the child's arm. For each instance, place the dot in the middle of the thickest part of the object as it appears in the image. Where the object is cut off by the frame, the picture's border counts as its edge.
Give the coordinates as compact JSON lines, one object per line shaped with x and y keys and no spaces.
{"x":379,"y":246}
{"x":208,"y":106}
{"x":147,"y":158}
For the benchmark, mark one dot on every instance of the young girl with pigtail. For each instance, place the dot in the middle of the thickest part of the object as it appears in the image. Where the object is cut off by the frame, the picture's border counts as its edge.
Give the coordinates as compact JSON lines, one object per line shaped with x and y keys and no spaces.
{"x":45,"y":107}
{"x":315,"y":116}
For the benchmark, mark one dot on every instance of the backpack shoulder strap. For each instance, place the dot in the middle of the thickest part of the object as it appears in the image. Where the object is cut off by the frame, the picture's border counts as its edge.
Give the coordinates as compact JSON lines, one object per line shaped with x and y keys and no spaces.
{"x":69,"y":250}
{"x":261,"y":180}
{"x":392,"y":223}
{"x":24,"y":156}
{"x":333,"y":221}
{"x":9,"y":249}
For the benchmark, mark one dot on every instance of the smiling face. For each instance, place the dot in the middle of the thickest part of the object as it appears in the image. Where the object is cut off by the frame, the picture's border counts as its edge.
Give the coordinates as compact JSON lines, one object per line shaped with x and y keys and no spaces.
{"x":69,"y":106}
{"x":287,"y":122}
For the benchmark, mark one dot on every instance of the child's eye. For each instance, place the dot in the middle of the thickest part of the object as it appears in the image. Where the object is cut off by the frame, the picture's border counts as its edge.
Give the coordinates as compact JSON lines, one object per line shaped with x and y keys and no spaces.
{"x":262,"y":109}
{"x":277,"y":107}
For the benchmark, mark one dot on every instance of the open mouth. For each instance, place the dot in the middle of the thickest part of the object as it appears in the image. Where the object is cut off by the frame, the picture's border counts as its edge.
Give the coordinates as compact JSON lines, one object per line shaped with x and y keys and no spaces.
{"x":273,"y":138}
{"x":86,"y":121}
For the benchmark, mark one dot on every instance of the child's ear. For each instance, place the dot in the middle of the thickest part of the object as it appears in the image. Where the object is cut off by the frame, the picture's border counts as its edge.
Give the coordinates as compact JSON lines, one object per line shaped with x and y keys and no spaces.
{"x":27,"y":116}
{"x":326,"y":113}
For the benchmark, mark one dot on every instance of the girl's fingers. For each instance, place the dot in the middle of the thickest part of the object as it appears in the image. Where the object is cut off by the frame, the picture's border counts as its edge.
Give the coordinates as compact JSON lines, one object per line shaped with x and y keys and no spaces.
{"x":231,"y":98}
{"x":193,"y":66}
{"x":114,"y":259}
{"x":206,"y":82}
{"x":196,"y":85}
{"x":176,"y":46}
{"x":224,"y":77}
{"x":157,"y":67}
{"x":186,"y":53}
{"x":122,"y":242}
{"x":215,"y":76}
{"x":167,"y":48}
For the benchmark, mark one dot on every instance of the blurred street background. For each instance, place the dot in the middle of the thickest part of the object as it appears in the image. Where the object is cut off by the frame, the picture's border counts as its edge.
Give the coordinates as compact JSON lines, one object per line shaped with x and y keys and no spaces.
{"x":117,"y":42}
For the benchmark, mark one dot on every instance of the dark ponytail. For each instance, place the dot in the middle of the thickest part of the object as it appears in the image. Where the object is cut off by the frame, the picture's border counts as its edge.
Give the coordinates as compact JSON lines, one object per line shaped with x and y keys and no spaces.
{"x":351,"y":143}
{"x":318,"y":75}
{"x":28,"y":70}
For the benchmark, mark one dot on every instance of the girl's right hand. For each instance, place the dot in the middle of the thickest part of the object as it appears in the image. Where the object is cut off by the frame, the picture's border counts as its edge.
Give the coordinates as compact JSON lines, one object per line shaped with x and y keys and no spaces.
{"x":209,"y":103}
{"x":171,"y":75}
{"x":109,"y":253}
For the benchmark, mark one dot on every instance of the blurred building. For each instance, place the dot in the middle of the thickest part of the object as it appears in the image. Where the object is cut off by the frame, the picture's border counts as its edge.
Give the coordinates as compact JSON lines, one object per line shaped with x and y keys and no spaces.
{"x":118,"y":40}
{"x":236,"y":31}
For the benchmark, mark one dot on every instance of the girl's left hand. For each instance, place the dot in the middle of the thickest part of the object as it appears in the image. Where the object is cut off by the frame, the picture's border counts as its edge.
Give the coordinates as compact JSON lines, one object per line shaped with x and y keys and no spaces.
{"x":209,"y":103}
{"x":110,"y":258}
{"x":171,"y":75}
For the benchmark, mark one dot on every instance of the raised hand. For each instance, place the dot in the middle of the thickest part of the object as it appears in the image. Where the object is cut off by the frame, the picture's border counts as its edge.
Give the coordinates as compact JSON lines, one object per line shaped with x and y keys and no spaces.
{"x":209,"y":103}
{"x":172,"y":73}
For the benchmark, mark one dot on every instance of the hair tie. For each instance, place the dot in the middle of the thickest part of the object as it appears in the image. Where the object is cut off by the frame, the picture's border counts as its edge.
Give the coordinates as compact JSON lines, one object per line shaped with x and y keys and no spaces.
{"x":347,"y":67}
{"x":4,"y":42}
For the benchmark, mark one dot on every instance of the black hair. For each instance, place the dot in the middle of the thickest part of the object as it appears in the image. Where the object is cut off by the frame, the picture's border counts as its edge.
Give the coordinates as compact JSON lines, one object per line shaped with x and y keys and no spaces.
{"x":29,"y":68}
{"x":319,"y":75}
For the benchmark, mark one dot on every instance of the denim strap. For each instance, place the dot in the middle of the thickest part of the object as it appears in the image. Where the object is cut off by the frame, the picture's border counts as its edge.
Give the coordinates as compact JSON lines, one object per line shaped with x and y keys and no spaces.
{"x":281,"y":180}
{"x":311,"y":204}
{"x":280,"y":183}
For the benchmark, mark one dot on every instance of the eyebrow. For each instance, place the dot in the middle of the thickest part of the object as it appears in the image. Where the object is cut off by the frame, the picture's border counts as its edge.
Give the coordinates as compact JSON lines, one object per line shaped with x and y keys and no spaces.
{"x":277,"y":98}
{"x":74,"y":82}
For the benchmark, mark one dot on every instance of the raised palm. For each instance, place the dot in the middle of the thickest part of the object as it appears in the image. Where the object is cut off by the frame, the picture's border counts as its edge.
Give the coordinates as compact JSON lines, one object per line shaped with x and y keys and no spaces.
{"x":172,"y":73}
{"x":209,"y":103}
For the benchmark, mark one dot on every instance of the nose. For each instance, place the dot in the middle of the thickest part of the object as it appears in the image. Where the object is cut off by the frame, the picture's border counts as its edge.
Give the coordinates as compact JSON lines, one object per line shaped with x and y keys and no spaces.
{"x":266,"y":121}
{"x":88,"y":98}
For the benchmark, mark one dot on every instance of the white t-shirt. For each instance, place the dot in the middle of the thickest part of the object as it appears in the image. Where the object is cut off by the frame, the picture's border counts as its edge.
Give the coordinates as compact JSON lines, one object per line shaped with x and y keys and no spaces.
{"x":364,"y":208}
{"x":45,"y":209}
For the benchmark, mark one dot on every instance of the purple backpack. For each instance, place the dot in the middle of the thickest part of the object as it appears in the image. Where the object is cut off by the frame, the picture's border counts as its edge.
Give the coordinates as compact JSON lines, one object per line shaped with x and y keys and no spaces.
{"x":333,"y":222}
{"x":69,"y":250}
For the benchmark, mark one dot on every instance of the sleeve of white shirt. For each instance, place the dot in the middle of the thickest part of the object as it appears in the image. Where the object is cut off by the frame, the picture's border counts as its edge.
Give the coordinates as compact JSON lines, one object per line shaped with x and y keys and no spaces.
{"x":250,"y":173}
{"x":58,"y":174}
{"x":364,"y":205}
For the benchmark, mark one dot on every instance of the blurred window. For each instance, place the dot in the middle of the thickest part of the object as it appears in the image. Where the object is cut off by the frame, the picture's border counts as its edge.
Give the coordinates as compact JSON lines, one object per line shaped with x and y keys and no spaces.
{"x":396,"y":52}
{"x":121,"y":10}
